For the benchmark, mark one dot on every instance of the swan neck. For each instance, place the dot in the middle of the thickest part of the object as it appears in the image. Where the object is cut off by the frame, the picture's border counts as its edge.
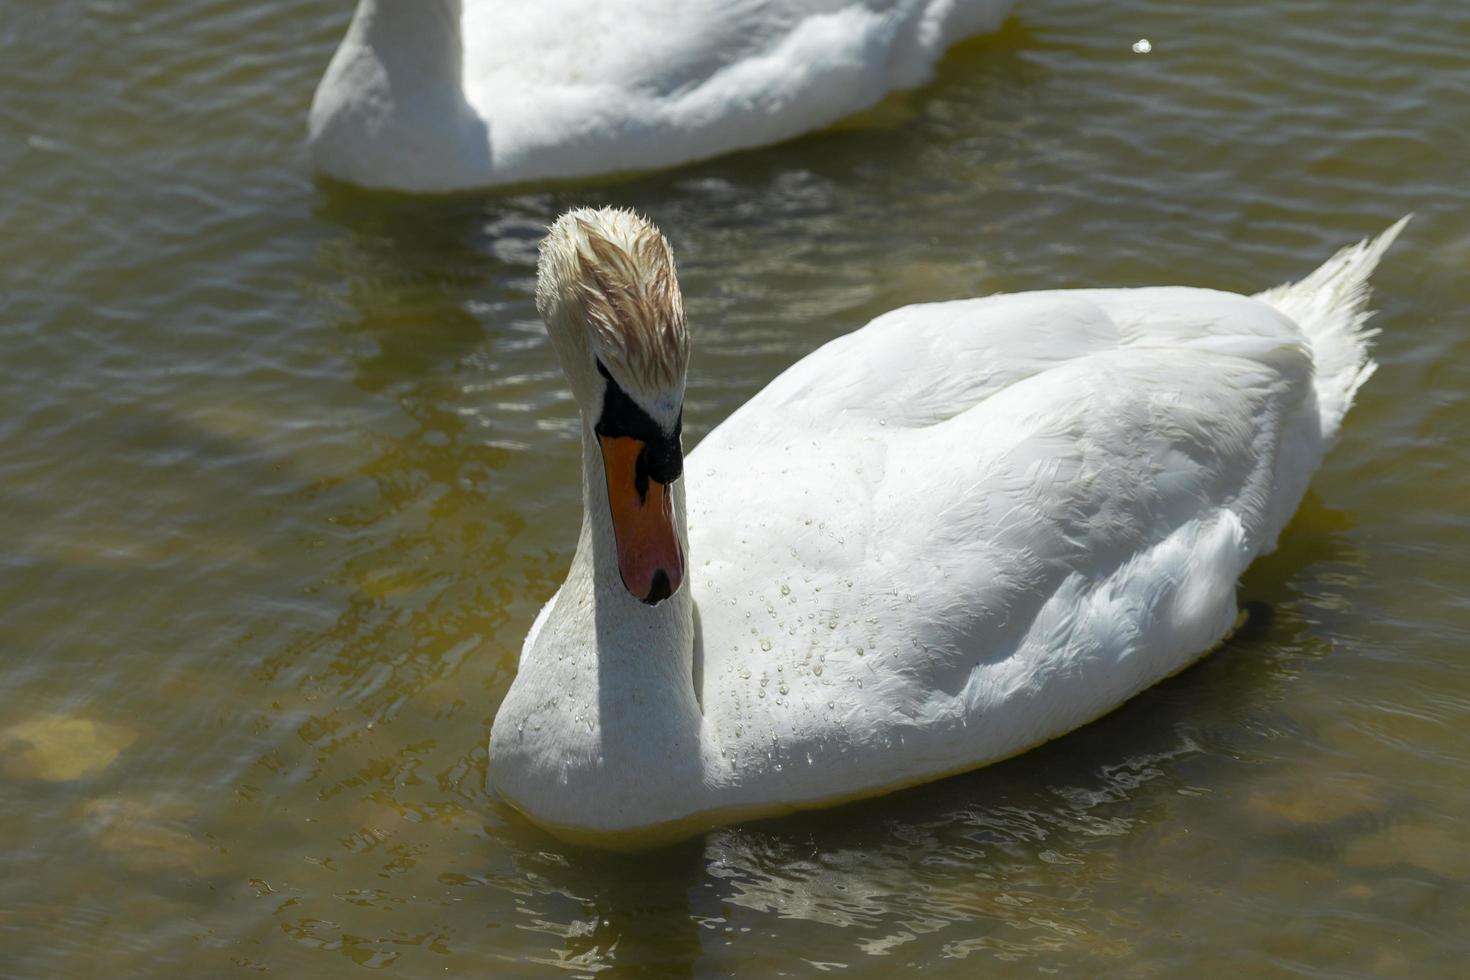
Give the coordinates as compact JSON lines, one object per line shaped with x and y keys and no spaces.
{"x":604,"y":706}
{"x":418,"y":39}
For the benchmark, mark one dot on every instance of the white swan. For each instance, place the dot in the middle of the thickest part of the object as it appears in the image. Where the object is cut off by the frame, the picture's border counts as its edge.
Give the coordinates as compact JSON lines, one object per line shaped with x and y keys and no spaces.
{"x":960,"y":531}
{"x":436,"y":95}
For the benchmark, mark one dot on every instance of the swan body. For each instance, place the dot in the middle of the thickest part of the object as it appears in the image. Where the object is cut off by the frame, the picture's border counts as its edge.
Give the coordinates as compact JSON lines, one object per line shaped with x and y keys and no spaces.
{"x":960,"y":531}
{"x":439,"y":95}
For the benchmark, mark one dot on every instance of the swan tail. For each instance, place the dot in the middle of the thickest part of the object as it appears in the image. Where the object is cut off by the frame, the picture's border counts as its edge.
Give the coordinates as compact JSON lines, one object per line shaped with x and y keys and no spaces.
{"x":1331,"y":307}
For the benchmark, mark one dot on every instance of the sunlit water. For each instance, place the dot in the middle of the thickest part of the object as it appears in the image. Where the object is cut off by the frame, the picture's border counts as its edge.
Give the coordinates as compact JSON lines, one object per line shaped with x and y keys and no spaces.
{"x":286,"y":471}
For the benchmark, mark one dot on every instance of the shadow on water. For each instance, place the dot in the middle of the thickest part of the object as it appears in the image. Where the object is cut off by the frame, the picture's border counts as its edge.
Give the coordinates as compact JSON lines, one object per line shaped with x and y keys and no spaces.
{"x":645,"y":923}
{"x":411,"y":268}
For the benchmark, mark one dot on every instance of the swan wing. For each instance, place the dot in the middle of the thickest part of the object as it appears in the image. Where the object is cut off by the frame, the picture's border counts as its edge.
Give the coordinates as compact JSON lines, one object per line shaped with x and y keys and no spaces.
{"x":642,"y":84}
{"x":928,"y":523}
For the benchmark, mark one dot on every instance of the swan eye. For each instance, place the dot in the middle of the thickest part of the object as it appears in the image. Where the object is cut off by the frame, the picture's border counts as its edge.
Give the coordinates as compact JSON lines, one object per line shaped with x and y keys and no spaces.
{"x":622,"y":417}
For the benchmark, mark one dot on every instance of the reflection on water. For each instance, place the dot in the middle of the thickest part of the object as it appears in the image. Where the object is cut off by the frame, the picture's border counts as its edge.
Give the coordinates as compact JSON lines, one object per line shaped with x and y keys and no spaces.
{"x":287,"y":469}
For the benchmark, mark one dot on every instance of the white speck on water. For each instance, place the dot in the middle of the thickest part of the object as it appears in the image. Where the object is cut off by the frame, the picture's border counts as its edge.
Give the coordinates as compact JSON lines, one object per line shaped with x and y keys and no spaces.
{"x":765,"y":645}
{"x":1142,"y":46}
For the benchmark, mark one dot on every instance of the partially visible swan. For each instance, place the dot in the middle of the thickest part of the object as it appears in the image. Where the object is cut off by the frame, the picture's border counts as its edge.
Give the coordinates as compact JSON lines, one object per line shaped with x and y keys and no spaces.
{"x":960,"y":531}
{"x":439,"y":95}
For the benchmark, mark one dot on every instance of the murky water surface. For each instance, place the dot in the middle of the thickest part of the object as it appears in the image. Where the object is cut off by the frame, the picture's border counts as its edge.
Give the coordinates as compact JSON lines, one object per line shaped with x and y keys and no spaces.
{"x":286,"y":471}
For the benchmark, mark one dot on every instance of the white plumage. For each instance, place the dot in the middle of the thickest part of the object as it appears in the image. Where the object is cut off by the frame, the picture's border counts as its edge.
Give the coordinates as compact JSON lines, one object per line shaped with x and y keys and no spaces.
{"x":435,"y":95}
{"x":960,"y":531}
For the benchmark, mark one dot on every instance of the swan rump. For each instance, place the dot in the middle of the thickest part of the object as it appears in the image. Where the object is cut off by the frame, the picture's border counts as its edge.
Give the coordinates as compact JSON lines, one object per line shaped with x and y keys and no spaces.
{"x":439,"y":95}
{"x":956,"y":533}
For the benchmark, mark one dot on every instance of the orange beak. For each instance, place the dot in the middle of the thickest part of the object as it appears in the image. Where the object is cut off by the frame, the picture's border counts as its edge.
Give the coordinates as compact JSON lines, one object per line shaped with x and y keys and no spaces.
{"x":650,"y":557}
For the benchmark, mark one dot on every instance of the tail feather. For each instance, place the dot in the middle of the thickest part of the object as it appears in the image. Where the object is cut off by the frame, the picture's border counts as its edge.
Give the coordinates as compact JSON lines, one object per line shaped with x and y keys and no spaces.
{"x":1331,"y":307}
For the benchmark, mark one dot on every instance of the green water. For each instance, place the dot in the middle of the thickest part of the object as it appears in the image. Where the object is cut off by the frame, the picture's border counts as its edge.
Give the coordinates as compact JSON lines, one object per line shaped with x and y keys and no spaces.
{"x":286,"y":471}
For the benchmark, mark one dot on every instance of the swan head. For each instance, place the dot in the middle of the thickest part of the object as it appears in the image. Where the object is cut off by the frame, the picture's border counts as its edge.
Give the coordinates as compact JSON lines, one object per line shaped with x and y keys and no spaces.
{"x":607,"y":289}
